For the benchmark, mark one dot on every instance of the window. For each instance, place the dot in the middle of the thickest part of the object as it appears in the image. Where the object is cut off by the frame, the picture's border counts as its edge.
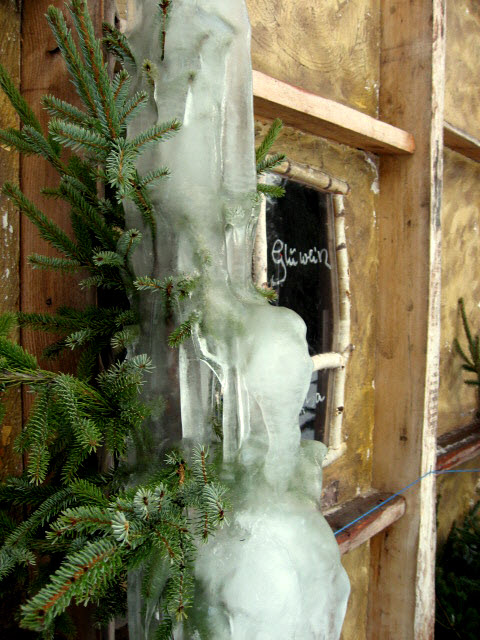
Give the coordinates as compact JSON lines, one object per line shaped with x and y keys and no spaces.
{"x":301,"y":253}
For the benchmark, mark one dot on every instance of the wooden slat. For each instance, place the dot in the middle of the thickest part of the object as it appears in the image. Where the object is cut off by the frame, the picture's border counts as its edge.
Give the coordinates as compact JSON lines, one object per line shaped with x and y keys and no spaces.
{"x":458,"y":446}
{"x":9,"y":228}
{"x":461,"y":142}
{"x":370,"y":525}
{"x":402,"y":582}
{"x":43,"y":71}
{"x":311,"y":113}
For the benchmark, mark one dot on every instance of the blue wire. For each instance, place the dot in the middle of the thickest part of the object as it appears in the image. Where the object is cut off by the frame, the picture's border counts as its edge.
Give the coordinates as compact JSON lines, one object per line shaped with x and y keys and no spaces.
{"x":398,"y":493}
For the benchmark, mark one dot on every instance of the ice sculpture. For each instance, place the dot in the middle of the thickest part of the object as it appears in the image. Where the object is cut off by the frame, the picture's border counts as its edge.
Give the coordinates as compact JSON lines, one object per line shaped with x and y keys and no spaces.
{"x":274,"y":573}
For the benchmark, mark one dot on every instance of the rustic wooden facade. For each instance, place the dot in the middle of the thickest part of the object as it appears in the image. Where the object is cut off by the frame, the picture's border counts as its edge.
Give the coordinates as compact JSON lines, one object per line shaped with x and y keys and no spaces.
{"x":380,"y":95}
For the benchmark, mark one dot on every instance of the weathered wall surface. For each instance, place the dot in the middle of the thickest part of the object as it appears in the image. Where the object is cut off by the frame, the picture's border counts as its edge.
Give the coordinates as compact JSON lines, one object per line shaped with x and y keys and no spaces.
{"x":328,"y":47}
{"x":460,"y":268}
{"x":9,"y":224}
{"x":461,"y":252}
{"x":462,"y":106}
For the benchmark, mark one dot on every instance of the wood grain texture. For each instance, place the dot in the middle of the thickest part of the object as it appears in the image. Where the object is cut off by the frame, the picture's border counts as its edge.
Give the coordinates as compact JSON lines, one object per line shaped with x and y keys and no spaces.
{"x":314,"y":114}
{"x":458,"y":447}
{"x":43,"y":72}
{"x":458,"y":140}
{"x":369,"y":526}
{"x":9,"y":226}
{"x":460,"y":262}
{"x":408,"y":318}
{"x":462,"y":106}
{"x":329,"y":48}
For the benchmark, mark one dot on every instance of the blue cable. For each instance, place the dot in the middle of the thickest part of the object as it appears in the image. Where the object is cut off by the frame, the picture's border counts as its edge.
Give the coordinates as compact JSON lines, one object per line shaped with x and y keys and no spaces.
{"x":398,"y":493}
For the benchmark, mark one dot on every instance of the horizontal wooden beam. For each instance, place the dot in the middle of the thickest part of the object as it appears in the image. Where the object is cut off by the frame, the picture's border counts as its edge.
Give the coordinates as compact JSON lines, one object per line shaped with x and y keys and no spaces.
{"x":461,"y":142}
{"x":361,"y":531}
{"x":313,"y":114}
{"x":458,"y":446}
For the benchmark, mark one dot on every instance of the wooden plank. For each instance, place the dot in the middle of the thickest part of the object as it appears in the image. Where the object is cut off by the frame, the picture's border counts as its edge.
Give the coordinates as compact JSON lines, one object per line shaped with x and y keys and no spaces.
{"x":457,"y":447}
{"x":312,"y":113}
{"x":43,"y":72}
{"x":401,"y":594}
{"x":9,"y":227}
{"x":461,"y":142}
{"x":370,"y":525}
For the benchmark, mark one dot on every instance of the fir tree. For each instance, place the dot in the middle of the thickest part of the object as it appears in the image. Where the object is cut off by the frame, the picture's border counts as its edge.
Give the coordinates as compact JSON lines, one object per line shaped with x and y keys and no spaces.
{"x":70,"y":527}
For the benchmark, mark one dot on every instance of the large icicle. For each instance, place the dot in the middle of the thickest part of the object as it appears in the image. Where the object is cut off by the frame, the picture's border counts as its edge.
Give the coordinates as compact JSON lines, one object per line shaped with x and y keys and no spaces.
{"x":274,"y":572}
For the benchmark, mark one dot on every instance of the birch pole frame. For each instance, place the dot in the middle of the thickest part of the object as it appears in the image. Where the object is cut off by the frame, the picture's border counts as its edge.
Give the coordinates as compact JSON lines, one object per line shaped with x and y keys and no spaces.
{"x":336,"y":360}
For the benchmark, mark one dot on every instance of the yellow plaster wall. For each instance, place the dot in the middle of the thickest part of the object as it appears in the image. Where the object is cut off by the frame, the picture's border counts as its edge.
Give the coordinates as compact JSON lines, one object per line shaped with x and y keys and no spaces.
{"x":462,"y":102}
{"x":329,"y":47}
{"x":460,"y":277}
{"x":356,"y":564}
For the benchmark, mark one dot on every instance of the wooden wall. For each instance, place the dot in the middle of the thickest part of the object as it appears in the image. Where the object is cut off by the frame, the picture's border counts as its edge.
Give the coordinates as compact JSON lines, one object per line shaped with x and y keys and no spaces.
{"x":9,"y":224}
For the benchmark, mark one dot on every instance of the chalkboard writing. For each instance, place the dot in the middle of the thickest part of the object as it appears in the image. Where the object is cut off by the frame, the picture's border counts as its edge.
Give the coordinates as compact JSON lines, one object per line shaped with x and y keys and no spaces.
{"x":301,"y":268}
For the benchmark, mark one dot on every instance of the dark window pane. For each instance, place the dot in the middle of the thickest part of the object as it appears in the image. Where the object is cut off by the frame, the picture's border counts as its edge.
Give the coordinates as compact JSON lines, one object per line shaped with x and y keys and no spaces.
{"x":301,"y":268}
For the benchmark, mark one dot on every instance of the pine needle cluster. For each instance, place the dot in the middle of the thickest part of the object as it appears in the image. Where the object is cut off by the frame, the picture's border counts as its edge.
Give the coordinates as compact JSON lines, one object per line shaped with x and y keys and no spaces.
{"x":471,"y":361}
{"x":73,"y":526}
{"x":70,"y":529}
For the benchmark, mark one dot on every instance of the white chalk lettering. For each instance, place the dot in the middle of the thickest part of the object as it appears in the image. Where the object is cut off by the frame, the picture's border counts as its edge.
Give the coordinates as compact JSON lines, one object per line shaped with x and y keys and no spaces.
{"x":286,"y":257}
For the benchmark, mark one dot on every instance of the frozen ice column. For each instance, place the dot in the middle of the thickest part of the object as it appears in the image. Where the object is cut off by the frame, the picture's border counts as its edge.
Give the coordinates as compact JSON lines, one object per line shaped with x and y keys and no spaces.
{"x":278,"y":560}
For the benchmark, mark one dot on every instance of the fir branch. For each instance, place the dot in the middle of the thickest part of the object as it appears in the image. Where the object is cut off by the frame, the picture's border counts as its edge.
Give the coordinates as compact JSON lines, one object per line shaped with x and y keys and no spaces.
{"x":49,"y":231}
{"x":43,"y":147}
{"x":76,"y":137}
{"x":133,"y":107}
{"x":267,"y":292}
{"x":117,"y":43}
{"x":38,"y":430}
{"x":11,"y":139}
{"x":71,"y":57}
{"x":184,"y":331}
{"x":140,"y":197}
{"x":120,"y":167}
{"x":120,"y":86}
{"x":73,"y":191}
{"x":150,"y":72}
{"x":128,"y":242}
{"x":67,"y":112}
{"x":270,"y":162}
{"x":8,"y":322}
{"x":164,"y":8}
{"x":37,"y":261}
{"x":156,"y":133}
{"x":97,"y":69}
{"x":17,"y":101}
{"x":268,"y":141}
{"x":108,"y":258}
{"x":79,"y":576}
{"x":272,"y":190}
{"x":153,"y":176}
{"x":17,"y":359}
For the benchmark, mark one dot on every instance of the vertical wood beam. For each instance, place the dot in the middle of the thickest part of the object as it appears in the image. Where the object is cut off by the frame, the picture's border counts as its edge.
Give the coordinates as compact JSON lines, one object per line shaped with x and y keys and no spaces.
{"x":43,"y":72}
{"x":9,"y":226}
{"x":411,"y":97}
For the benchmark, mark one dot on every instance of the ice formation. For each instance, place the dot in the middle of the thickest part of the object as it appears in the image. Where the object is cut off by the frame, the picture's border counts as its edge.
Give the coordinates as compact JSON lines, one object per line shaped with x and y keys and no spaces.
{"x":274,"y":573}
